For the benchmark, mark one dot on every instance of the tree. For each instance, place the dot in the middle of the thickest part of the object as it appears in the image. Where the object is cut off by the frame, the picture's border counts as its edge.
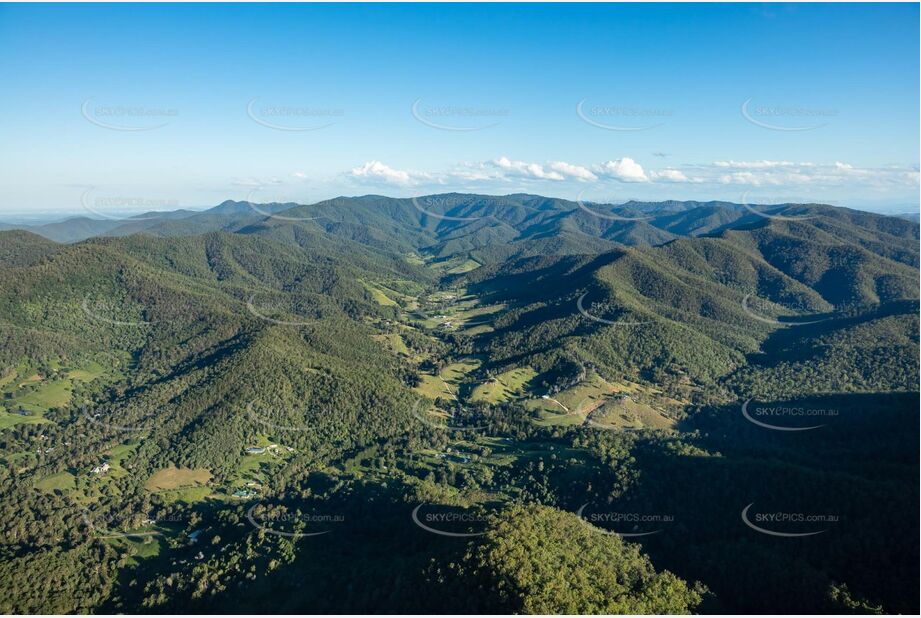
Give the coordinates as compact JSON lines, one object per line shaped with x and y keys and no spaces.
{"x":540,"y":560}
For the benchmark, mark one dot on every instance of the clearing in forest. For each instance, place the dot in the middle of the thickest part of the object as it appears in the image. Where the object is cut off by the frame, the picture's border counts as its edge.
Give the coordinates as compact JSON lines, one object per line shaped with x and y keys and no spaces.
{"x":173,"y":478}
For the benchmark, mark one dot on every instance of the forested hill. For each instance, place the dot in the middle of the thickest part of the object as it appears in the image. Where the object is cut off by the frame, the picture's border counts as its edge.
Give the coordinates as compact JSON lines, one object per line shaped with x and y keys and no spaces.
{"x":451,"y":223}
{"x":440,"y":404}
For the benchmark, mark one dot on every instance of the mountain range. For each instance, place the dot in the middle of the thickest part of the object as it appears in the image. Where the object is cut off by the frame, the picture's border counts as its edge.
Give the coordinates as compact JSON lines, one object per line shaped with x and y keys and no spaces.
{"x":516,"y":356}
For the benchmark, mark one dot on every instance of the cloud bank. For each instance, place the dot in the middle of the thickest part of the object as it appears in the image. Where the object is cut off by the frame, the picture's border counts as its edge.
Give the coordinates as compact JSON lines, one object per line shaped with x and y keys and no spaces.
{"x":751,"y":174}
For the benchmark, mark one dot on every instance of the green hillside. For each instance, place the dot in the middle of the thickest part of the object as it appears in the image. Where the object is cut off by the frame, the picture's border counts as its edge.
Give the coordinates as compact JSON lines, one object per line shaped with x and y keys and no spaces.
{"x":461,"y":404}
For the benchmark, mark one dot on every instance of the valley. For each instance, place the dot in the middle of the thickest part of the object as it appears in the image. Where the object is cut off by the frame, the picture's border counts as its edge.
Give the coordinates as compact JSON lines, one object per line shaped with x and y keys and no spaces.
{"x":238,"y":408}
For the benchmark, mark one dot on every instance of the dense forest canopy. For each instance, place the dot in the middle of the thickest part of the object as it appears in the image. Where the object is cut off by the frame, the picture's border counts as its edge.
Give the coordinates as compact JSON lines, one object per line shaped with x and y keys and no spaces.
{"x":465,"y":404}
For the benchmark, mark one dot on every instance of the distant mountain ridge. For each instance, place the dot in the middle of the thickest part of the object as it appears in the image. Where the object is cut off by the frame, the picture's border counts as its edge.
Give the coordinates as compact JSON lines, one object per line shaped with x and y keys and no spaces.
{"x":481,"y":220}
{"x":165,"y":223}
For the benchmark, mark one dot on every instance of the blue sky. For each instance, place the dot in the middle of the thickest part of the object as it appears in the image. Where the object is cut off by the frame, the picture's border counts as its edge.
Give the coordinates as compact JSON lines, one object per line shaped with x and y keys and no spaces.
{"x":763,"y":103}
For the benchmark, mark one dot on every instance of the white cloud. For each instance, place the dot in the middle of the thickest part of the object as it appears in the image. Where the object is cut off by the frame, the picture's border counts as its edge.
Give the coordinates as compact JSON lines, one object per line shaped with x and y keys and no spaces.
{"x":758,"y":173}
{"x":624,"y":170}
{"x":505,"y":169}
{"x":786,"y":173}
{"x":375,"y":171}
{"x":754,"y":164}
{"x":573,"y":171}
{"x":473,"y":173}
{"x":740,"y":178}
{"x":669,"y":175}
{"x":911,"y":177}
{"x":527,"y":170}
{"x":252,"y":182}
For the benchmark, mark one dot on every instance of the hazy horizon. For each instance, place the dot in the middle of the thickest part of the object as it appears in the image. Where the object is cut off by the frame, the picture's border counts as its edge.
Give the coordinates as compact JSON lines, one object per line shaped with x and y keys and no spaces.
{"x":25,"y":217}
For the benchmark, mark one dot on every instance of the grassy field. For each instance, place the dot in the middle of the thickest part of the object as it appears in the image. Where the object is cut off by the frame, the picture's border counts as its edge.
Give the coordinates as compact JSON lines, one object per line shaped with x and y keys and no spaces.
{"x":624,"y":413}
{"x":174,"y":478}
{"x":433,"y":387}
{"x":449,"y":381}
{"x":394,"y":342}
{"x":379,"y":297}
{"x":252,"y":467}
{"x":38,"y":394}
{"x":464,"y":267}
{"x":8,"y":419}
{"x":580,"y":395}
{"x":8,"y":378}
{"x":118,"y":453}
{"x":188,"y":495}
{"x":469,"y":314}
{"x":87,"y":373}
{"x":402,"y":290}
{"x":558,"y":419}
{"x":468,"y":317}
{"x":61,"y":481}
{"x":141,"y":547}
{"x":32,"y":379}
{"x":455,"y":373}
{"x":117,"y":456}
{"x":504,"y":387}
{"x":479,"y":329}
{"x":53,"y":394}
{"x":617,"y":405}
{"x":448,"y":295}
{"x":449,"y":309}
{"x":454,"y":265}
